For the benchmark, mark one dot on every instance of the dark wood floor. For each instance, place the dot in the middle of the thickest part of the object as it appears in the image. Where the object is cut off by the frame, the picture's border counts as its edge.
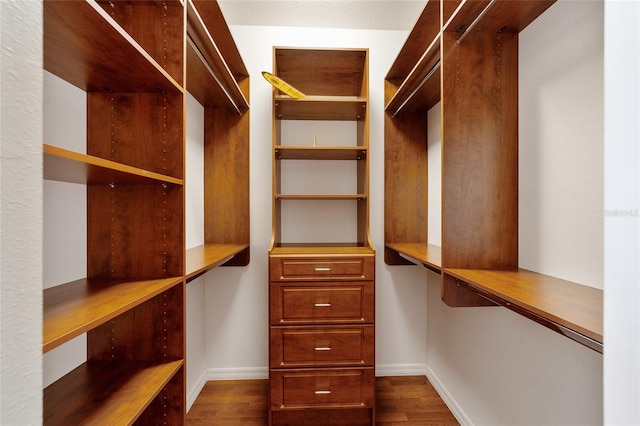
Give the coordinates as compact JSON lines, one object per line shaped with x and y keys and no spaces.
{"x":400,"y":401}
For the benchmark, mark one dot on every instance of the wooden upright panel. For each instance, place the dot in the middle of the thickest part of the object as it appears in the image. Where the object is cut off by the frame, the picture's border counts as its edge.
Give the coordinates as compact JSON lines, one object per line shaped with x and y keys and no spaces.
{"x":405,"y":181}
{"x":226,"y":166}
{"x":480,"y":151}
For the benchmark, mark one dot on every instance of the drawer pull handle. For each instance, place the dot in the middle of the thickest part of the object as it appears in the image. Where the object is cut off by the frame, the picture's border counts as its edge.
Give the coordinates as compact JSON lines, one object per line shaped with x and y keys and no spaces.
{"x":319,"y":269}
{"x":323,"y":348}
{"x":322,"y":305}
{"x":322,"y":392}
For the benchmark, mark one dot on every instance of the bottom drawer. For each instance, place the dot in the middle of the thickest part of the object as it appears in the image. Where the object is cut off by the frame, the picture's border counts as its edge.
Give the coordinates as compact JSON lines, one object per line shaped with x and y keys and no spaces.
{"x":328,"y":388}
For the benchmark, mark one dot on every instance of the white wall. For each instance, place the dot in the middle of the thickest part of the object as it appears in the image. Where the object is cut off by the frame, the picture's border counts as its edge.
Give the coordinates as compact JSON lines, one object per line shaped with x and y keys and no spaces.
{"x":21,"y":213}
{"x":492,"y":365}
{"x":622,"y":227}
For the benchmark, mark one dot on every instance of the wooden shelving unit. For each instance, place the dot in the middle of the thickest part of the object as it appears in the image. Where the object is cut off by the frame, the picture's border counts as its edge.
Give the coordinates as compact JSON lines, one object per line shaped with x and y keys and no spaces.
{"x":218,"y":79}
{"x":464,"y":53}
{"x":321,"y":292}
{"x":129,"y":58}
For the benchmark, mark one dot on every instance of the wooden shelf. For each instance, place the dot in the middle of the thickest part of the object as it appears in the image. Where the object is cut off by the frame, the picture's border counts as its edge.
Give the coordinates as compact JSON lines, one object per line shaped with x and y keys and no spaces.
{"x":74,"y":308}
{"x":315,"y":249}
{"x":106,"y":392}
{"x":503,"y":16}
{"x":68,"y":166}
{"x":200,"y":259}
{"x":325,"y":72}
{"x":323,"y":197}
{"x":427,"y":255}
{"x":569,"y":308}
{"x":320,"y":152}
{"x":337,"y":108}
{"x":89,"y":49}
{"x":214,"y":82}
{"x":420,"y":90}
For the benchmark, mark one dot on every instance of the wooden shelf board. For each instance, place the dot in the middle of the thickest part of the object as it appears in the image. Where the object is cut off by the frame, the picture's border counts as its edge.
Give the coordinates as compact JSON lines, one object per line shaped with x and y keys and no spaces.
{"x":333,"y":72}
{"x":213,"y":19}
{"x":427,"y":255}
{"x":573,"y":306}
{"x":76,"y":36}
{"x":502,"y":15}
{"x":106,"y":392}
{"x":421,"y":36}
{"x":201,"y":82}
{"x":423,"y":82}
{"x":338,"y":108}
{"x":68,"y":166}
{"x":315,"y":249}
{"x":74,"y":308}
{"x":320,"y":152}
{"x":323,"y":197}
{"x":203,"y":258}
{"x":202,"y":44}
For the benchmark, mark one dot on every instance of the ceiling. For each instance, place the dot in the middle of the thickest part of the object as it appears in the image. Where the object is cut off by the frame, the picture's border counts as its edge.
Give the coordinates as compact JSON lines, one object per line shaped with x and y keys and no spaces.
{"x":354,"y":14}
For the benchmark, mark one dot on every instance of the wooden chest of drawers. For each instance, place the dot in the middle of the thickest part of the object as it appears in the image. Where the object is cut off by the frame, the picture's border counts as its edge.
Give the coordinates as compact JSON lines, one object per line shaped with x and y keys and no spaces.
{"x":322,"y":339}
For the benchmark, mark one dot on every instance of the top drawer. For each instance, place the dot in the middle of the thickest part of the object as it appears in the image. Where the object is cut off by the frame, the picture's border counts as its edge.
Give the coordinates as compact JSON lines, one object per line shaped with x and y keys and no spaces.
{"x":321,"y":268}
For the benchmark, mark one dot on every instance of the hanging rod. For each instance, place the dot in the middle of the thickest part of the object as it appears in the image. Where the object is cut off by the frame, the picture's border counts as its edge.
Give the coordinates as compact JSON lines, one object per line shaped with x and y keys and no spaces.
{"x":475,"y":21}
{"x":433,"y":69}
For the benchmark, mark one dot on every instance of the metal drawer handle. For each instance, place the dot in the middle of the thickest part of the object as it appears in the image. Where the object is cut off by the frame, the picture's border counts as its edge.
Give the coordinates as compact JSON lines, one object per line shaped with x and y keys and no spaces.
{"x":322,"y":305}
{"x":319,"y":269}
{"x":323,"y":348}
{"x":322,"y":392}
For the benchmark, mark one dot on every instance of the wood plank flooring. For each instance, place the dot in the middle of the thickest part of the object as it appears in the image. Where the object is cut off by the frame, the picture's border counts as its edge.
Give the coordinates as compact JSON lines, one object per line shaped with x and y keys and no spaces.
{"x":400,"y":401}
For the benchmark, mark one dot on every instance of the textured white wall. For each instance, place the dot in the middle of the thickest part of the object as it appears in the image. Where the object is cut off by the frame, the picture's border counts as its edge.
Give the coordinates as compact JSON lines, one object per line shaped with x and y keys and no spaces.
{"x":21,"y":213}
{"x":622,"y":223}
{"x":496,"y":367}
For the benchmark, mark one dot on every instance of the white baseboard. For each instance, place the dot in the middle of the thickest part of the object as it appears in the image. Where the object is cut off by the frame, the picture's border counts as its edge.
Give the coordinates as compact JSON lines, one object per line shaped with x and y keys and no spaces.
{"x":384,"y":370}
{"x":448,"y":399}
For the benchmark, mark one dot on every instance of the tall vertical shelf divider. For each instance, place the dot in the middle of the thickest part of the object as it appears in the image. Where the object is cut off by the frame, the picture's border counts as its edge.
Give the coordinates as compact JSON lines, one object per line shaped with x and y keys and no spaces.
{"x":129,"y":58}
{"x":464,"y":54}
{"x":321,"y":293}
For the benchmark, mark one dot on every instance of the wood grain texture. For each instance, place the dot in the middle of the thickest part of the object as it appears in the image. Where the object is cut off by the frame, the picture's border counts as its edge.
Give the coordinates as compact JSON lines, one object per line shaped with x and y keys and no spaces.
{"x":68,"y":166}
{"x":405,"y":180}
{"x":323,"y":72}
{"x":321,"y":303}
{"x":151,"y":331}
{"x":226,"y":177}
{"x":158,"y":27}
{"x":143,"y":130}
{"x":78,"y":33}
{"x":209,"y":50}
{"x":505,"y":16}
{"x":135,"y":231}
{"x":320,"y":108}
{"x":106,"y":393}
{"x":427,"y":255}
{"x":421,"y":36}
{"x":480,"y":151}
{"x":74,"y":308}
{"x":577,"y":307}
{"x":406,"y":400}
{"x":205,"y":257}
{"x":321,"y":346}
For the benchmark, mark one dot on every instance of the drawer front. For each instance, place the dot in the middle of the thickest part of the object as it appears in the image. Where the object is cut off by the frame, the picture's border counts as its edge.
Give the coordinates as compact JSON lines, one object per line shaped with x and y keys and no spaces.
{"x":322,"y":388}
{"x":321,"y":346}
{"x":351,"y":302}
{"x":321,"y":268}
